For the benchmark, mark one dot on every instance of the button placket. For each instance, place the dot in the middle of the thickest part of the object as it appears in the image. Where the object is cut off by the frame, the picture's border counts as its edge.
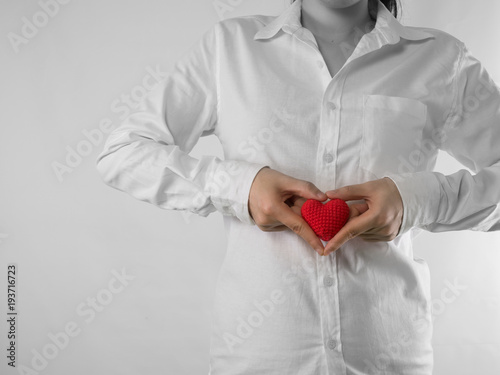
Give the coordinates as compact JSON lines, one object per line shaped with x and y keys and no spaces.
{"x":328,"y":158}
{"x":328,"y":281}
{"x":327,"y":267}
{"x":325,"y":154}
{"x":331,"y":344}
{"x":335,"y":106}
{"x":332,"y":327}
{"x":329,"y":127}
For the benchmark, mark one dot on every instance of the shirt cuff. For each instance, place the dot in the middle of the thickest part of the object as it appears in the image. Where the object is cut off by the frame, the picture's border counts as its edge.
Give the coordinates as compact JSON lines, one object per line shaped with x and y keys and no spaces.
{"x":229,"y":187}
{"x":421,"y":195}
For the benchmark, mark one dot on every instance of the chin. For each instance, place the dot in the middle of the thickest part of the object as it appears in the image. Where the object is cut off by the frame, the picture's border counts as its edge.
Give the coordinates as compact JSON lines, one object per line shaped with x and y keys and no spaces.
{"x":340,"y":3}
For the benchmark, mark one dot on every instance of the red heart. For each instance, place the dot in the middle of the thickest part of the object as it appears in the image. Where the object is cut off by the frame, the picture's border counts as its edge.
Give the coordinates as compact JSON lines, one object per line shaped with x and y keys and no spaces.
{"x":325,"y":219}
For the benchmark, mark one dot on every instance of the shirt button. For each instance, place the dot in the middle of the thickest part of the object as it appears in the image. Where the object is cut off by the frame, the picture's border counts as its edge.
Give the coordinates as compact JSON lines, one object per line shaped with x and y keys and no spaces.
{"x":320,"y":64}
{"x":332,"y":106}
{"x":328,"y":158}
{"x":331,"y":344}
{"x":328,"y":281}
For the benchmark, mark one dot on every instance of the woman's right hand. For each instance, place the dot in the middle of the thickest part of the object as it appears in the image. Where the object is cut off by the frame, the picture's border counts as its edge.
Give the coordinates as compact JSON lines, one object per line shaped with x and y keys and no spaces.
{"x":275,"y":200}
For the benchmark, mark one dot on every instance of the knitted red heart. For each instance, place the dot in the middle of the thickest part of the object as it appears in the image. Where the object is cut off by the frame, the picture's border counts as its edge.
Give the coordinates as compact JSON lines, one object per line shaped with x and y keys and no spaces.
{"x":325,"y":219}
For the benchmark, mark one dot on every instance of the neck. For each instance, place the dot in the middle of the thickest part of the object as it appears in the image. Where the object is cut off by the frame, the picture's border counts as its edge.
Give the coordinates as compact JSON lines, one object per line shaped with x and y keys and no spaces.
{"x":332,"y":23}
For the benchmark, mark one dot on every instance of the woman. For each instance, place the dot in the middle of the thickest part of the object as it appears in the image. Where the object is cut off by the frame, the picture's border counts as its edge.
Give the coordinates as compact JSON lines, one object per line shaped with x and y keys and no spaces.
{"x":319,"y":102}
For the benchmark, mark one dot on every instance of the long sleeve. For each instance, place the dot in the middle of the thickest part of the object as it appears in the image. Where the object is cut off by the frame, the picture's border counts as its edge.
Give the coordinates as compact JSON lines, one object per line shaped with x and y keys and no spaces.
{"x":148,"y":157}
{"x":471,"y":134}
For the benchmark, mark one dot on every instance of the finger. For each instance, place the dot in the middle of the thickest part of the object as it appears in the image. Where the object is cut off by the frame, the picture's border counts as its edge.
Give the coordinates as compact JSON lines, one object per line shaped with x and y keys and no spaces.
{"x":376,"y":239}
{"x":298,"y":225}
{"x":350,"y":192}
{"x":356,"y":209}
{"x":297,"y":207}
{"x":299,"y":201}
{"x":295,"y":200}
{"x":374,"y":231}
{"x":297,"y":210}
{"x":271,"y":227}
{"x":302,"y":188}
{"x":278,"y":228}
{"x":353,"y":228}
{"x":376,"y":235}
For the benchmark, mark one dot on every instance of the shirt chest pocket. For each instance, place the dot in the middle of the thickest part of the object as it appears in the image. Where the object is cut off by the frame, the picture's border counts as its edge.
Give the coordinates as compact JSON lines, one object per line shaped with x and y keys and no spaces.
{"x":392,"y":134}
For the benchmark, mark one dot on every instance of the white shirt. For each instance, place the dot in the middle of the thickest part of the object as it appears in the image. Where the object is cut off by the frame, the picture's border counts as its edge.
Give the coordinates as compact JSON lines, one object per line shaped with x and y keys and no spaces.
{"x":260,"y":84}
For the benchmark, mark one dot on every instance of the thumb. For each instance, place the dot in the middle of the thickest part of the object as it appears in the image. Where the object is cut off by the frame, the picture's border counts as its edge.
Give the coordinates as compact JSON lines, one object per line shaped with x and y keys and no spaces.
{"x":351,"y":229}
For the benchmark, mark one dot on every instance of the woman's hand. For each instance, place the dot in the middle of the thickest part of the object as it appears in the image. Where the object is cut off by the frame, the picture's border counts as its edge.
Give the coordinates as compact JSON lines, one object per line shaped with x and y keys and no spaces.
{"x":275,"y":201}
{"x":379,"y":219}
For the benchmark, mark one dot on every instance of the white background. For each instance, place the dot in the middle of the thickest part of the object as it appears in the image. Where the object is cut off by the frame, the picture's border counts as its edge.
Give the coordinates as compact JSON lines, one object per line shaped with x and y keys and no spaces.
{"x":67,"y":234}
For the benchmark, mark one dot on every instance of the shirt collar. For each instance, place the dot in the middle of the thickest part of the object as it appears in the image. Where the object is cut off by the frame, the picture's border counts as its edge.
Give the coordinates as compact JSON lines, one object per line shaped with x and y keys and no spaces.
{"x":387,"y":25}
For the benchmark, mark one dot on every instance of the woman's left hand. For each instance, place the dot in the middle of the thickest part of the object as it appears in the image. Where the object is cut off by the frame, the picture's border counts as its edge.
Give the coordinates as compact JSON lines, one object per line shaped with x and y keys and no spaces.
{"x":379,"y":219}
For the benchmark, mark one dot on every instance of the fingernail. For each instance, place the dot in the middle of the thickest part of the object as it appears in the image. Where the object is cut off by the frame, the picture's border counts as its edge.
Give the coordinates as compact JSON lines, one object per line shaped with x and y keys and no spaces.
{"x":329,"y":251}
